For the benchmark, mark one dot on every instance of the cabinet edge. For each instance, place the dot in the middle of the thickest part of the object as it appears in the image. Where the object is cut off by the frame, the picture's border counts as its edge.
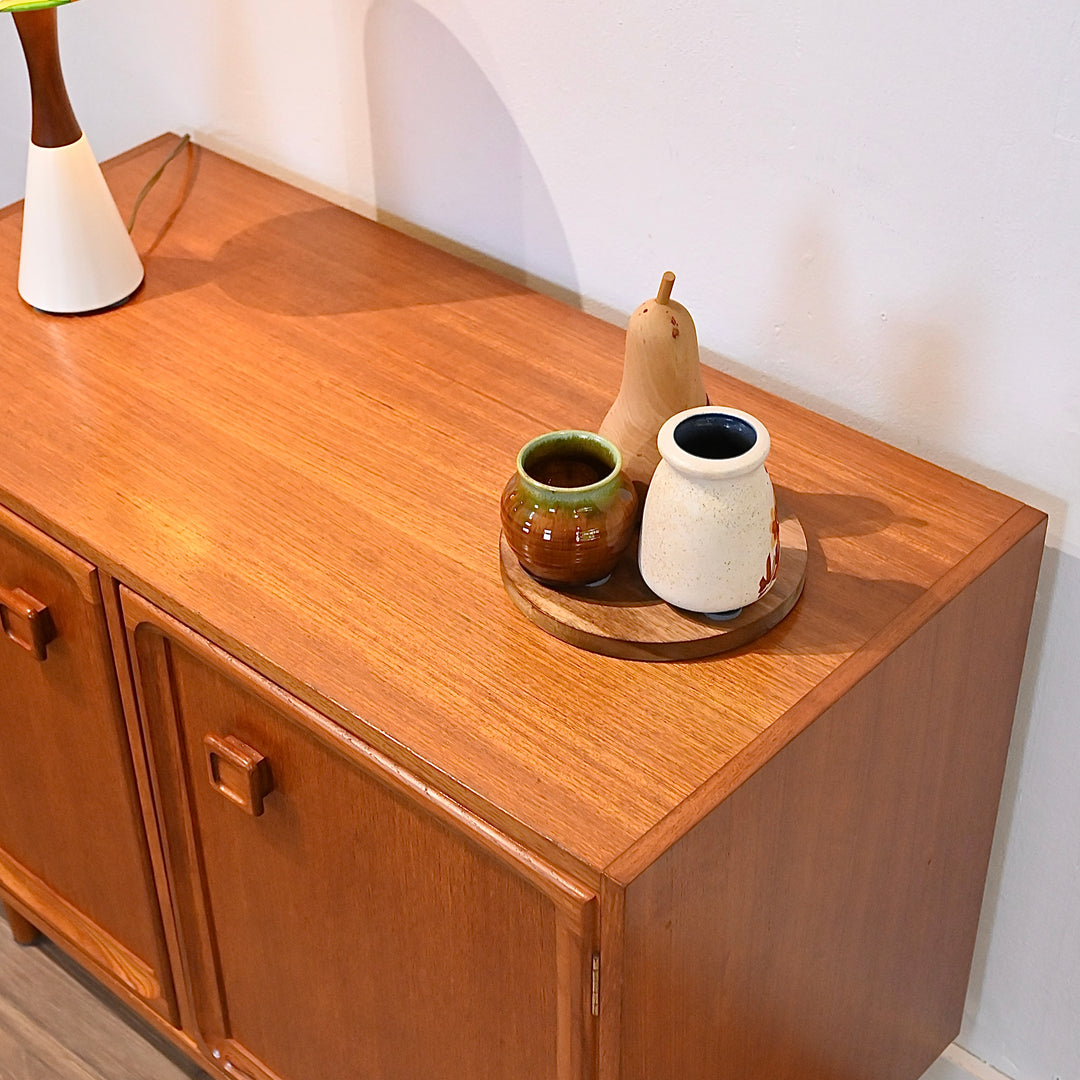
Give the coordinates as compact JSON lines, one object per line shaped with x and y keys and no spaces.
{"x":1026,"y":523}
{"x":612,"y":963}
{"x":81,"y":572}
{"x":169,"y":947}
{"x":568,"y":893}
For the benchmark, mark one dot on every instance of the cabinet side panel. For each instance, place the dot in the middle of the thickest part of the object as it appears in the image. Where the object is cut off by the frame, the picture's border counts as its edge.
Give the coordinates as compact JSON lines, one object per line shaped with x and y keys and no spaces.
{"x":820,"y":922}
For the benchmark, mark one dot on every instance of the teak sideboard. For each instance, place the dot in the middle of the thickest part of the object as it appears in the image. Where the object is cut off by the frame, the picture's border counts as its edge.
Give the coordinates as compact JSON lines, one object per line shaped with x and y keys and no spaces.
{"x":283,"y":766}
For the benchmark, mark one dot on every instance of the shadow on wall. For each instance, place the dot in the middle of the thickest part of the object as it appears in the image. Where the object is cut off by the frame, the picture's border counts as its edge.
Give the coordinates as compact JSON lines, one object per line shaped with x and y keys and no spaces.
{"x":1024,"y":994}
{"x":912,"y":369}
{"x":448,"y":160}
{"x":236,"y":71}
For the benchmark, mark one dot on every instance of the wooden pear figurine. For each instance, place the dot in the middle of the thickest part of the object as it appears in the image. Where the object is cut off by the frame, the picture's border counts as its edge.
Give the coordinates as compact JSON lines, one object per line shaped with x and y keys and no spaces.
{"x":661,"y":376}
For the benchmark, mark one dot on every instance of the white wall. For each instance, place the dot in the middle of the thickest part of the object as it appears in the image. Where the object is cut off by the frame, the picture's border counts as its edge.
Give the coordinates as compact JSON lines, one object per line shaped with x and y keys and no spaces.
{"x":872,"y":208}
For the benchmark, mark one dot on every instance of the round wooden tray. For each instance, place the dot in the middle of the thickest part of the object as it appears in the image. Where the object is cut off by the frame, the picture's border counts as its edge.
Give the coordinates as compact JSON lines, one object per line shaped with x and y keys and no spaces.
{"x":624,"y":618}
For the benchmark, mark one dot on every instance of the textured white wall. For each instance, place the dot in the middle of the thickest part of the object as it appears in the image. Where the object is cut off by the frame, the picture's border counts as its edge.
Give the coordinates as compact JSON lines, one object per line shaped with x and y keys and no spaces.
{"x":872,"y":208}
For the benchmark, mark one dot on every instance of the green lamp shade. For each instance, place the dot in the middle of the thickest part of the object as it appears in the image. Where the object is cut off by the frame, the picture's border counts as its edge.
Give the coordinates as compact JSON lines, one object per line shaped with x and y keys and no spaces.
{"x":29,"y":5}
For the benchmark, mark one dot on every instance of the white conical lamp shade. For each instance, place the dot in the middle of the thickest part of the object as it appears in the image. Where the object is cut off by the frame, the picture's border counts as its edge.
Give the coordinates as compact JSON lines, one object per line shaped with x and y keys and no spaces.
{"x":76,"y":255}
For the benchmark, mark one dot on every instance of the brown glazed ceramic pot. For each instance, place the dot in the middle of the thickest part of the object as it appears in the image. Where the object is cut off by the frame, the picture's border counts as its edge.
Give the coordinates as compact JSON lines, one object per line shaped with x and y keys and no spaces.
{"x":569,"y":511}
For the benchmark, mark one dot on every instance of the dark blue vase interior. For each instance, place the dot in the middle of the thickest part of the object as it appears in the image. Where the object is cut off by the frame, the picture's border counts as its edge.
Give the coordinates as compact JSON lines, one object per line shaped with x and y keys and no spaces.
{"x":716,"y":436}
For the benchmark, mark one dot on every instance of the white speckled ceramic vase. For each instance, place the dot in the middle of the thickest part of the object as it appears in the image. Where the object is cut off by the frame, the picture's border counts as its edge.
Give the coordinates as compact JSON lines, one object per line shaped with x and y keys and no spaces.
{"x":710,"y":540}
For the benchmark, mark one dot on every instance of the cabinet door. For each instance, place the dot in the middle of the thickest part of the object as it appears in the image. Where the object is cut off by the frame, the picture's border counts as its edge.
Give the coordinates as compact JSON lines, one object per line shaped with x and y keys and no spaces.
{"x":73,"y":854}
{"x":338,"y":919}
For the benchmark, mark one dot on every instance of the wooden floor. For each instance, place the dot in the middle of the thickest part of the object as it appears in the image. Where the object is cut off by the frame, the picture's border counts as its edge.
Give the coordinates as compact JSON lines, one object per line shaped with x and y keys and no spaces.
{"x":56,"y":1023}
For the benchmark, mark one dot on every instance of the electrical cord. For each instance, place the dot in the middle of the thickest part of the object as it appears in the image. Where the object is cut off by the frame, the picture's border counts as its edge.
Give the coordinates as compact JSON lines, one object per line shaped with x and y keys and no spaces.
{"x":184,"y":140}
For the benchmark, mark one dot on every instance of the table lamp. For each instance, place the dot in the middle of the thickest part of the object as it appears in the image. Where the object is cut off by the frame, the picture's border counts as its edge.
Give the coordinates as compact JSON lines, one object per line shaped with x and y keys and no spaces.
{"x":76,"y":253}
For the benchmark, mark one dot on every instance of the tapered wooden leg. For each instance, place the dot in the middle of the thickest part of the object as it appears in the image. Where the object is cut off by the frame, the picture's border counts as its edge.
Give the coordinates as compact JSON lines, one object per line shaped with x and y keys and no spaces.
{"x":53,"y":122}
{"x":22,"y":930}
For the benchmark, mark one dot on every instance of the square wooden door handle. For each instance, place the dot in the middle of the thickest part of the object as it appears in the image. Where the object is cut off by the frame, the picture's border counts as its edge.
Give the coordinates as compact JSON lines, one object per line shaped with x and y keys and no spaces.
{"x":238,"y":772}
{"x":26,"y":621}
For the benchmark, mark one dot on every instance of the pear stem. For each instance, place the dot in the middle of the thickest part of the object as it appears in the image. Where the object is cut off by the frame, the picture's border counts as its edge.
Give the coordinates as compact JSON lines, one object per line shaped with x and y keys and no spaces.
{"x":664,"y":293}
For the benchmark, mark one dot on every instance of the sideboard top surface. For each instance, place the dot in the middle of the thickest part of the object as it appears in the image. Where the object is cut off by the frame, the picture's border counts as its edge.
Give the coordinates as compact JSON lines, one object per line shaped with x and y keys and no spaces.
{"x":294,"y":439}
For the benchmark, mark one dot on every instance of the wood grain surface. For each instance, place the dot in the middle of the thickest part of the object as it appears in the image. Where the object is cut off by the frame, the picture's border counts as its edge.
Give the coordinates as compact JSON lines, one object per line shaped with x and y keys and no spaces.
{"x":346,"y":929}
{"x":292,"y":442}
{"x":294,"y":439}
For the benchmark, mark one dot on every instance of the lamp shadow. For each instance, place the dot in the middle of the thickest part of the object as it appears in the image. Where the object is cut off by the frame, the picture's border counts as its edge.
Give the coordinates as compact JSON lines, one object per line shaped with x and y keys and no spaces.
{"x":449,"y":167}
{"x":334,"y":268}
{"x":449,"y":162}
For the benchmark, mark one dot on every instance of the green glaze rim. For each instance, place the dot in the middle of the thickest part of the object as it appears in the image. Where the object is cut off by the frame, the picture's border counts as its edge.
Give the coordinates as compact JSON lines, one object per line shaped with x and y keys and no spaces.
{"x":570,"y":438}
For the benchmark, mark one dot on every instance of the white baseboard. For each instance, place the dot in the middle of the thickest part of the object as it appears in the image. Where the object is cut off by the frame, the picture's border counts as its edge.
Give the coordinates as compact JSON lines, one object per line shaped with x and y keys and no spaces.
{"x":975,"y":1067}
